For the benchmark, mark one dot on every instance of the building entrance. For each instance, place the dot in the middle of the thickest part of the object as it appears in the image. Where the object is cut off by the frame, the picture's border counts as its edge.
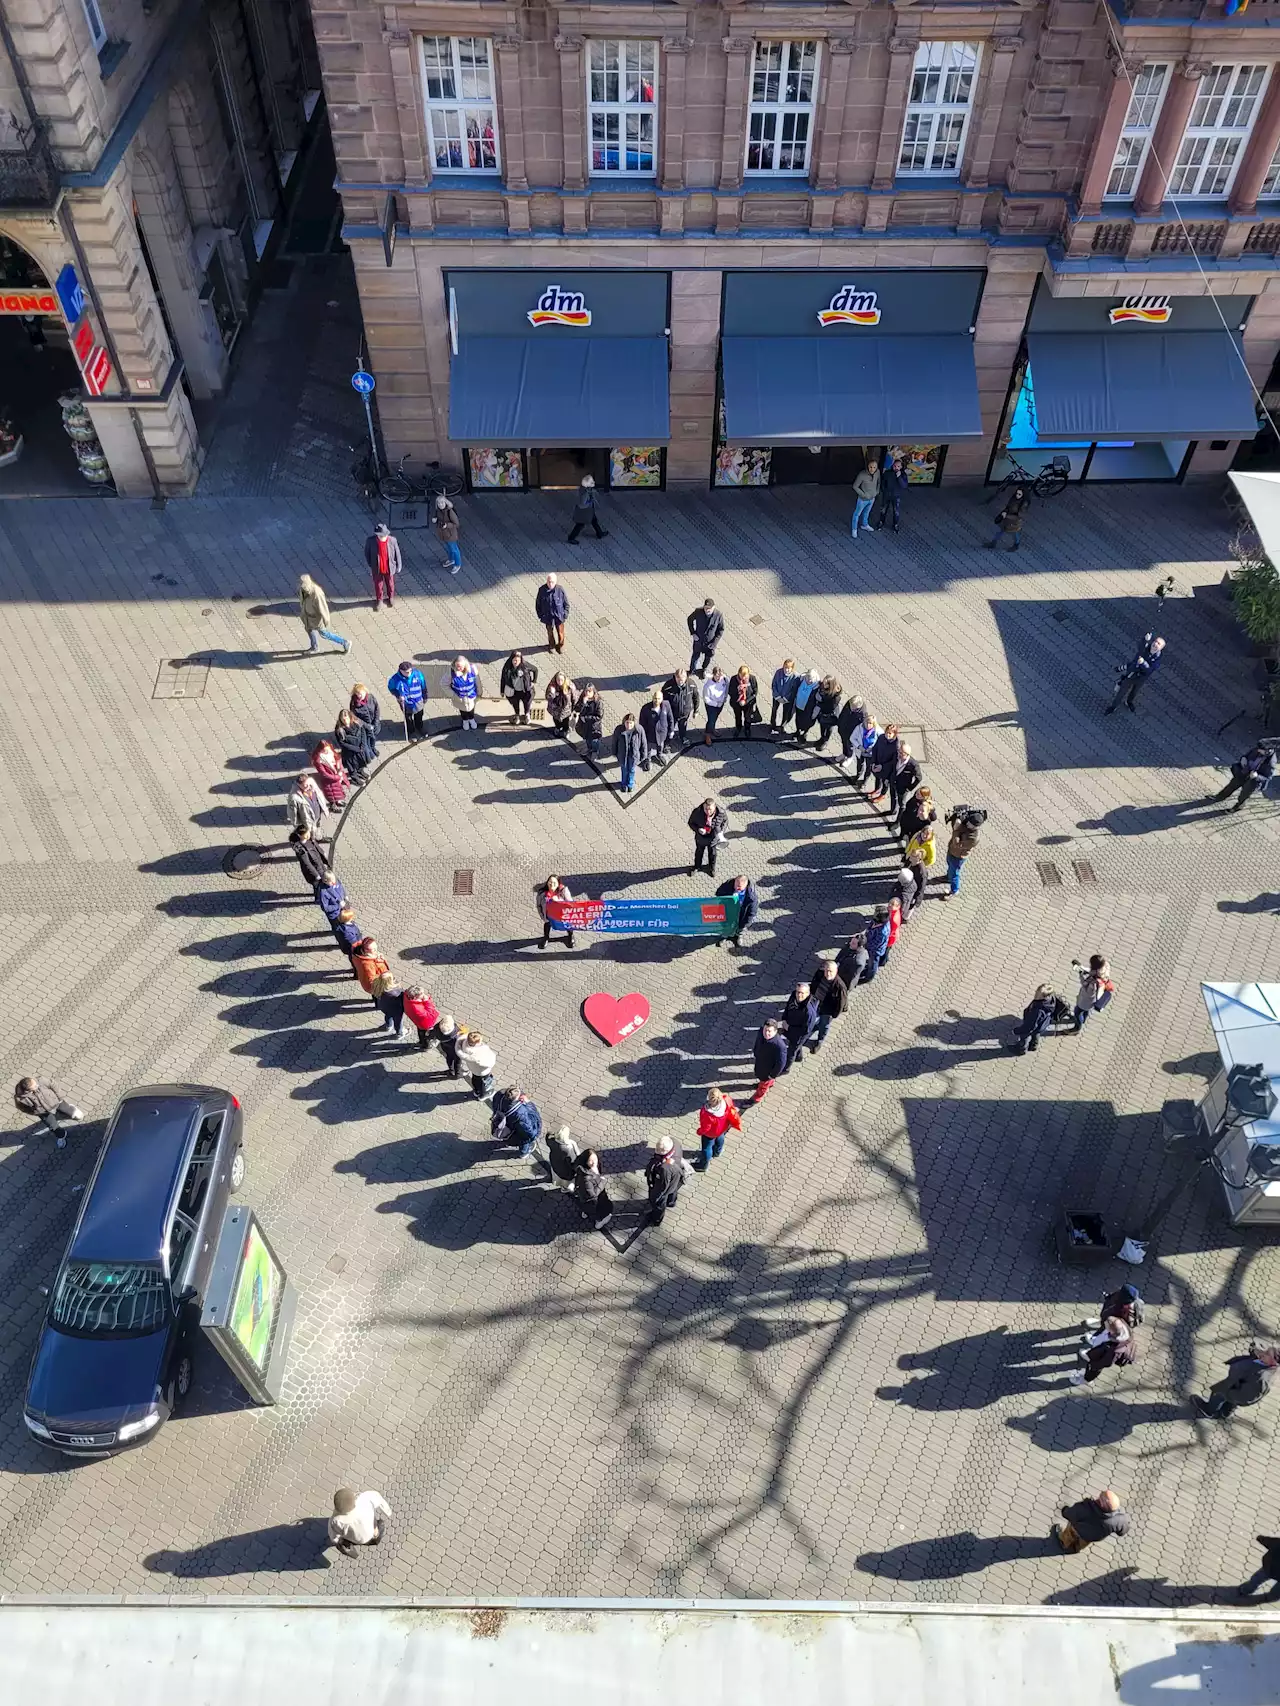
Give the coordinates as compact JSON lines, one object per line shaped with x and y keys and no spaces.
{"x":38,"y":458}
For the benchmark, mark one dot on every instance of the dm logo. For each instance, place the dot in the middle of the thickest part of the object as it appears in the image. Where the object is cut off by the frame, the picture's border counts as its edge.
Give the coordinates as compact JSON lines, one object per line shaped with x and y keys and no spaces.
{"x":558,"y":307}
{"x":1151,"y":310}
{"x":850,"y":307}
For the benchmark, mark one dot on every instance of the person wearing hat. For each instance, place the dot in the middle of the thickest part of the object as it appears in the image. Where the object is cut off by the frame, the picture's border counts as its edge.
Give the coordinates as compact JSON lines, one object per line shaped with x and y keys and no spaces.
{"x":408,"y":686}
{"x":445,"y":520}
{"x":315,"y":615}
{"x":584,"y":512}
{"x":382,"y":554}
{"x":663,"y":1177}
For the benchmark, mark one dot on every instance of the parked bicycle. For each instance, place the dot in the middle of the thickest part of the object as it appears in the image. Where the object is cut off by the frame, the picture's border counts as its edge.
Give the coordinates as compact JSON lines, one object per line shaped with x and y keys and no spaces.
{"x":1051,"y":479}
{"x":366,"y":474}
{"x":399,"y":486}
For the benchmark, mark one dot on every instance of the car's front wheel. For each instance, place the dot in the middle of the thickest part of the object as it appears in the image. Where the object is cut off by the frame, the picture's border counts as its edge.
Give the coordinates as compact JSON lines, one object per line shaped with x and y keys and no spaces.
{"x":181,"y":1379}
{"x":237,"y":1170}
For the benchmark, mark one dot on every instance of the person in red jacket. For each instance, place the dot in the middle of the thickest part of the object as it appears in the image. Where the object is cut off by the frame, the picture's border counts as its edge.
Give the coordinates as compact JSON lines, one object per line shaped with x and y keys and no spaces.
{"x":895,"y":924}
{"x":716,"y":1117}
{"x":420,"y":1011}
{"x":328,"y":766}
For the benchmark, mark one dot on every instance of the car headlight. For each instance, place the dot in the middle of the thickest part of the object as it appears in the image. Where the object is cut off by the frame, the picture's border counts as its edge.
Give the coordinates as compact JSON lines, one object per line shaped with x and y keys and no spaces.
{"x":35,"y":1427}
{"x":144,"y":1424}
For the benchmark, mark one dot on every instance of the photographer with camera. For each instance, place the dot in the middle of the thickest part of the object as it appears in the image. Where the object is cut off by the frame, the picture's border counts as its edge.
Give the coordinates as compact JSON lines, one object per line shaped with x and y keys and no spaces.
{"x":1141,"y":667}
{"x":965,"y":823}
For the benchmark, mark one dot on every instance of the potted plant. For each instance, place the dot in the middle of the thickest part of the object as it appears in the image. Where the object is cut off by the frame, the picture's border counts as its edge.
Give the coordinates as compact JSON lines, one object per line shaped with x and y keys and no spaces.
{"x":1255,"y":590}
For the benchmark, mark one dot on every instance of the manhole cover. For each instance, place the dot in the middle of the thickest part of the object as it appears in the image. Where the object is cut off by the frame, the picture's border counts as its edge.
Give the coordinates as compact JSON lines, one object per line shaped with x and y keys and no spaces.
{"x":244,"y":862}
{"x":181,"y":678}
{"x":464,"y":882}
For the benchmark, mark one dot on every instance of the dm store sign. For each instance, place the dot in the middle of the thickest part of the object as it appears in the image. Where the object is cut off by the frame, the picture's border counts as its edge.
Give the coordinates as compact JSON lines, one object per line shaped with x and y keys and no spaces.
{"x":1145,"y":310}
{"x":851,"y":307}
{"x":556,"y":307}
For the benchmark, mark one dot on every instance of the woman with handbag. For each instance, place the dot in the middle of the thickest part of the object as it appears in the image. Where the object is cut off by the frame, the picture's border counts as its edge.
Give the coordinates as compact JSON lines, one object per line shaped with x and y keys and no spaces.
{"x":519,"y":678}
{"x":1096,"y":989}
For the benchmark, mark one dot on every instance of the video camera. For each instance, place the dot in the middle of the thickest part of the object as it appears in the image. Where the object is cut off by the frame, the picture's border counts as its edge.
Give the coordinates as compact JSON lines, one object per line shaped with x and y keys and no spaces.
{"x":973,"y":816}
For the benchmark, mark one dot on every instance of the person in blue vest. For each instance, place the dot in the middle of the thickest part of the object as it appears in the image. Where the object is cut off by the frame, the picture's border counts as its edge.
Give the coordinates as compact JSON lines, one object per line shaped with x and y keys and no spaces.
{"x":464,"y":684}
{"x":408,"y":686}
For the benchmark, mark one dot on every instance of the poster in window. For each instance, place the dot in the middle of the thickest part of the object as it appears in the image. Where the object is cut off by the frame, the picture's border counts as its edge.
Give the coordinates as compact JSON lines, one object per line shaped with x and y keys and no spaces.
{"x":919,"y":460}
{"x":257,"y":1295}
{"x":496,"y":470}
{"x":743,"y":465}
{"x":635,"y":465}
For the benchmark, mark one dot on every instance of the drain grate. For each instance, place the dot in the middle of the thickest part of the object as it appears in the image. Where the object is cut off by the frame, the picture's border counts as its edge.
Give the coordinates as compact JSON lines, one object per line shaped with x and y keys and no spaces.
{"x":1084,"y":871}
{"x":405,"y":514}
{"x":182,"y":678}
{"x":464,"y":882}
{"x":243,"y":863}
{"x":1050,"y":875}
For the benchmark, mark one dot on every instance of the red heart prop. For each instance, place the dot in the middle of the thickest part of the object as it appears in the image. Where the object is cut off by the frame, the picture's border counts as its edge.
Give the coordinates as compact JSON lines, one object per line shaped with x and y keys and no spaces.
{"x":615,"y":1017}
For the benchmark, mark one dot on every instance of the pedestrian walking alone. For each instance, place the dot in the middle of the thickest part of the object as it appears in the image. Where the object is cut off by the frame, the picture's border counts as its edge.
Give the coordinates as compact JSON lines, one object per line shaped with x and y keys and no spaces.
{"x":832,"y":996}
{"x":464,"y":684}
{"x":743,"y":693}
{"x":782,"y":689}
{"x":314,"y":607}
{"x":965,"y":822}
{"x":590,"y":1192}
{"x":1247,"y":1382}
{"x":590,"y":722}
{"x":551,"y":607}
{"x":717,"y":1117}
{"x":715,"y":693}
{"x":1267,"y":1571}
{"x":552,"y":889}
{"x":707,"y":628}
{"x":519,"y":678}
{"x":42,"y":1099}
{"x":382,"y":554}
{"x":359,"y":1519}
{"x":743,"y":890}
{"x":585,"y":513}
{"x":804,"y":703}
{"x":710,"y":825}
{"x":683,"y":695}
{"x":629,"y":748}
{"x":663,"y":1177}
{"x":658,"y":725}
{"x":769,"y":1054}
{"x":1137,"y":672}
{"x":799,"y":1021}
{"x":895,"y":486}
{"x":444,"y":518}
{"x":1113,"y":1346}
{"x":1096,"y":989}
{"x":1009,"y":521}
{"x":1090,"y":1520}
{"x":356,"y":746}
{"x":477,"y":1060}
{"x":561,"y":698}
{"x":1249,"y":773}
{"x":408,"y":687}
{"x":866,"y":489}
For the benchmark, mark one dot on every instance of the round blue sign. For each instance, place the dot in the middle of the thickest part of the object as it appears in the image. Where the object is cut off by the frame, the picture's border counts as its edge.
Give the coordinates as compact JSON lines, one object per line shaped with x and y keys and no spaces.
{"x":363,"y":382}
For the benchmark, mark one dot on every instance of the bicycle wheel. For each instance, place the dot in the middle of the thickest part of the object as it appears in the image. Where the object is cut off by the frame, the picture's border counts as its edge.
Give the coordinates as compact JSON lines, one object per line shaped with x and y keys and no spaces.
{"x":1049,"y":484}
{"x":444,"y":484}
{"x":395,"y":488}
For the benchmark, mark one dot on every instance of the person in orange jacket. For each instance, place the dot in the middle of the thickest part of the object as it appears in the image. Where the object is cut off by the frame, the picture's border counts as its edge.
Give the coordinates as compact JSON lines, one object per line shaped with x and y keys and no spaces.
{"x":372,"y":971}
{"x":716,"y":1116}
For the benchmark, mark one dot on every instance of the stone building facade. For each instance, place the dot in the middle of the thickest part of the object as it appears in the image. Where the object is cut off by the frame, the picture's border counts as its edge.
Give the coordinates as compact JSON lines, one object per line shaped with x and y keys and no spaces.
{"x":1058,"y":152}
{"x":146,"y":146}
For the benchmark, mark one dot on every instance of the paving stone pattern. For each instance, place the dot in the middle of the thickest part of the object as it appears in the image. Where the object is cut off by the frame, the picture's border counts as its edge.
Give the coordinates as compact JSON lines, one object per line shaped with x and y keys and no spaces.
{"x":837,"y":1370}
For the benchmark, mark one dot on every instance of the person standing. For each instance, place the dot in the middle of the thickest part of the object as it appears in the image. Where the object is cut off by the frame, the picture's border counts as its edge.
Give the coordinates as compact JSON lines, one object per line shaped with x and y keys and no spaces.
{"x":42,"y":1099}
{"x":830,"y":693}
{"x":716,"y":1118}
{"x":832,"y":996}
{"x":863,"y":751}
{"x":769,"y":1053}
{"x":853,"y":961}
{"x":1009,"y":521}
{"x":1267,"y":1571}
{"x":448,"y":1034}
{"x":552,"y":889}
{"x":382,"y":554}
{"x":316,"y":619}
{"x":804,"y":703}
{"x":1090,"y":1520}
{"x":590,"y":1192}
{"x":710,"y":825}
{"x":885,"y":755}
{"x":1249,"y":772}
{"x":519,"y":678}
{"x":1248,"y":1381}
{"x":356,"y":745}
{"x":334,"y":781}
{"x":331,"y":897}
{"x":782,"y":688}
{"x":877,"y":942}
{"x":912,"y":881}
{"x":923,"y":846}
{"x":918,"y":812}
{"x":359,"y":1519}
{"x":658,"y":725}
{"x":743,"y":693}
{"x":904,"y":779}
{"x":585,"y":512}
{"x":1096,"y":989}
{"x":707,"y":628}
{"x":1037,"y":1016}
{"x":630,"y":748}
{"x":866,"y":489}
{"x":562,"y":1156}
{"x":715,"y":692}
{"x":1113,"y":1346}
{"x":965,"y":823}
{"x":444,"y":519}
{"x":893,"y":915}
{"x":663,"y":1177}
{"x":514,"y":1118}
{"x":551,"y":607}
{"x":346,"y":932}
{"x":477,"y":1060}
{"x":1139,"y":670}
{"x":744,"y":891}
{"x":464,"y":684}
{"x":591,"y":720}
{"x":896,"y":484}
{"x":313,"y":859}
{"x":849,"y":726}
{"x":305,"y":806}
{"x":420,"y":1011}
{"x":373,"y":972}
{"x":561,"y":699}
{"x":364,"y":708}
{"x":799,"y":1021}
{"x":408,"y":687}
{"x":682,"y":695}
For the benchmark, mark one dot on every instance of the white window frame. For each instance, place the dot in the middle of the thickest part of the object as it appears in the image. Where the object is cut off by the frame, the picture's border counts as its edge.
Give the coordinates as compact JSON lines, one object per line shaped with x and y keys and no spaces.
{"x":1271,"y":183}
{"x":624,"y":113}
{"x":786,"y":115}
{"x":1146,"y":97}
{"x":97,"y":29}
{"x":1204,"y":169}
{"x":447,"y":115}
{"x":937,"y":114}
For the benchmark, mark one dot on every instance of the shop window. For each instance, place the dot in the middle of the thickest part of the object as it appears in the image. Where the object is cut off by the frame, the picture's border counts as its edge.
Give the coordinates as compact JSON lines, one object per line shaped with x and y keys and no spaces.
{"x":622,"y":104}
{"x":938,"y":108}
{"x":97,"y":29}
{"x":495,"y":470}
{"x":1139,"y":125}
{"x":1219,"y":126}
{"x":634,"y":467}
{"x":784,"y":77}
{"x":462,"y":124}
{"x":1271,"y":183}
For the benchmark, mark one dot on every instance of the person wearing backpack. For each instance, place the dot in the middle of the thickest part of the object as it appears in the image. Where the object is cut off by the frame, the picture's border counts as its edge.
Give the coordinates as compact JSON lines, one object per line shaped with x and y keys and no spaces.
{"x":1096,"y":989}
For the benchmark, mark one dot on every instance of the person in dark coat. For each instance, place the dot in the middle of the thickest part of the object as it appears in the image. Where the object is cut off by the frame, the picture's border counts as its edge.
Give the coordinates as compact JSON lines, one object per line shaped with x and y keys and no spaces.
{"x":585,"y":513}
{"x":630,"y":747}
{"x":589,"y":1190}
{"x":513,"y":1118}
{"x":312,"y":856}
{"x":1125,"y":1305}
{"x":663,"y":1177}
{"x":831,"y":993}
{"x":519,"y":678}
{"x":830,"y":693}
{"x":1009,"y":522}
{"x":1090,"y":1520}
{"x":885,"y":756}
{"x":894,"y":486}
{"x":659,"y":725}
{"x":562,"y":699}
{"x":382,"y":554}
{"x":1037,"y":1016}
{"x":346,"y":932}
{"x":707,"y":627}
{"x":743,"y":693}
{"x":1267,"y":1571}
{"x":42,"y":1099}
{"x":331,"y":897}
{"x":1248,"y":1381}
{"x":748,"y":903}
{"x":1114,"y":1346}
{"x":877,"y":940}
{"x":364,"y":708}
{"x":356,"y":745}
{"x":966,"y":822}
{"x":800,"y":1021}
{"x":562,"y":1156}
{"x":918,"y":812}
{"x":683,"y":697}
{"x":849,"y":726}
{"x":551,"y":607}
{"x":710,"y":825}
{"x":903,"y":782}
{"x":770,"y":1055}
{"x":590,"y":721}
{"x":1248,"y":774}
{"x":783,"y":687}
{"x":853,"y":962}
{"x":1139,"y":670}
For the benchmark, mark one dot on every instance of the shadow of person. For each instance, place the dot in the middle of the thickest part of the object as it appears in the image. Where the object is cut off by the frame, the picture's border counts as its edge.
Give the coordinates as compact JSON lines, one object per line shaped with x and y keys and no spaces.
{"x":285,"y":1546}
{"x":1259,"y":904}
{"x":418,"y":1159}
{"x":464,"y":1212}
{"x":956,"y":1030}
{"x":951,"y":1555}
{"x":1124,"y":1586}
{"x":969,"y":1373}
{"x":1073,"y":1420}
{"x":1143,"y":820}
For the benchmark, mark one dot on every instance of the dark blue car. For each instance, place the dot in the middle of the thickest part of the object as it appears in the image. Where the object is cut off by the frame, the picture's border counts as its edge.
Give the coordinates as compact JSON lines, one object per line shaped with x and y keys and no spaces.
{"x":113,"y":1358}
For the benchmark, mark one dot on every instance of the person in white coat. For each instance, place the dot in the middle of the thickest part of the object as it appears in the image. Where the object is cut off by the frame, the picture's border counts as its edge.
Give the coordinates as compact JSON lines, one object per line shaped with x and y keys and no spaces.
{"x":358,"y":1519}
{"x":478,"y":1061}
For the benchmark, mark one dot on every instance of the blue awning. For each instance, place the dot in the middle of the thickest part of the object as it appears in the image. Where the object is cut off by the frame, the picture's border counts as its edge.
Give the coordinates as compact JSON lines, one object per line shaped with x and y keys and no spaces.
{"x":546,"y":391}
{"x":850,"y":390}
{"x":1142,"y":385}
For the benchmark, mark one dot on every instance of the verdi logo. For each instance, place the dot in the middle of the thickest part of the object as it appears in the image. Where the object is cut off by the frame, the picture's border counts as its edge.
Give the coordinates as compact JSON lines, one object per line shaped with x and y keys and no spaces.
{"x":850,"y":307}
{"x":558,"y":307}
{"x":1152,"y":310}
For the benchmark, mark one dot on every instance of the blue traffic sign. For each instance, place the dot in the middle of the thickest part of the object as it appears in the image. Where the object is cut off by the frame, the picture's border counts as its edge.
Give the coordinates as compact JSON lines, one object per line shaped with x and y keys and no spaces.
{"x":70,"y":294}
{"x":363,"y":382}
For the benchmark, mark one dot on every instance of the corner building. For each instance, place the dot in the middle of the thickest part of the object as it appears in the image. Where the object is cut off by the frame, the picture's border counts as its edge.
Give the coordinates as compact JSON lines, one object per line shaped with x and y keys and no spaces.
{"x":728,"y":244}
